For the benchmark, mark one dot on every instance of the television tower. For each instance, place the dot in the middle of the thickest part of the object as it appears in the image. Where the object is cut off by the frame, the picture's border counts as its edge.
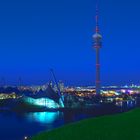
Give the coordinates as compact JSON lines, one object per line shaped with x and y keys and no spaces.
{"x":97,"y":37}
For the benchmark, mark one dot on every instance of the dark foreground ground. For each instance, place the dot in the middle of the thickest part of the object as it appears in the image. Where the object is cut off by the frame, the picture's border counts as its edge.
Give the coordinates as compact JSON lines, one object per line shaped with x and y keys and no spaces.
{"x":125,"y":126}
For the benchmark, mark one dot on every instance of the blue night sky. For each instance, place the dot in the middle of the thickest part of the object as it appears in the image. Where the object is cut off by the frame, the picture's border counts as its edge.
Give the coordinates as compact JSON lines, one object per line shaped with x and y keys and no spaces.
{"x":36,"y":35}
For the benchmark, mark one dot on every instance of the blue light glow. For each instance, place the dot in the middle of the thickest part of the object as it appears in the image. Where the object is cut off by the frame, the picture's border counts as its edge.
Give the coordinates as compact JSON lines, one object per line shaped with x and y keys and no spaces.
{"x":43,"y":117}
{"x":44,"y":102}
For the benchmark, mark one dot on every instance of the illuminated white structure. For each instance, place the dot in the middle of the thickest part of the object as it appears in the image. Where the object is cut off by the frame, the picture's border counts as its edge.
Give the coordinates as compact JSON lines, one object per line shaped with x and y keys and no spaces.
{"x":42,"y":102}
{"x":48,"y":99}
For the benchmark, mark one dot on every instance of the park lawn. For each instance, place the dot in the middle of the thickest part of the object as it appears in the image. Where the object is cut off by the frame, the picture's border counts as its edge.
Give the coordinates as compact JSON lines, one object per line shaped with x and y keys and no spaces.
{"x":125,"y":126}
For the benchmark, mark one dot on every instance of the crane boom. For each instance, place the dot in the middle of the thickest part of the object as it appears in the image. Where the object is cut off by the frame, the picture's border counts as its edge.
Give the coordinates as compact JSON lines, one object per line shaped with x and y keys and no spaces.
{"x":59,"y":92}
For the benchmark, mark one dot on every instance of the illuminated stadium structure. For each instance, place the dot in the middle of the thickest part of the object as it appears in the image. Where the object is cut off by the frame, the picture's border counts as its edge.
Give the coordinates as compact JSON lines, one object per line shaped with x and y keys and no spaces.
{"x":48,"y":99}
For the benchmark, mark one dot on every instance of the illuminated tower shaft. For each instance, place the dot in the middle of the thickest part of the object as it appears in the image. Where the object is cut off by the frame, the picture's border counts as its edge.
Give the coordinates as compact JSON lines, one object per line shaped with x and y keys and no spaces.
{"x":97,"y":71}
{"x":97,"y":45}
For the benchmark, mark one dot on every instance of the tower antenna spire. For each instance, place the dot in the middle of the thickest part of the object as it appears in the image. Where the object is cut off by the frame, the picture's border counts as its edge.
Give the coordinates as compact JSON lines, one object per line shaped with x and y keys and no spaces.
{"x":97,"y":16}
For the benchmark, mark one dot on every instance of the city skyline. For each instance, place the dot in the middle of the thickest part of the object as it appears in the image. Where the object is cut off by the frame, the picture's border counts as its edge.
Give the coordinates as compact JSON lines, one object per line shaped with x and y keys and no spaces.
{"x":35,"y":37}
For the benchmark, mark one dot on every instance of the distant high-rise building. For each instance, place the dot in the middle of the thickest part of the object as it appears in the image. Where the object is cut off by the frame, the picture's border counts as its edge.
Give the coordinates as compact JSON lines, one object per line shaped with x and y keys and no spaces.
{"x":51,"y":83}
{"x":60,"y":85}
{"x":97,"y":37}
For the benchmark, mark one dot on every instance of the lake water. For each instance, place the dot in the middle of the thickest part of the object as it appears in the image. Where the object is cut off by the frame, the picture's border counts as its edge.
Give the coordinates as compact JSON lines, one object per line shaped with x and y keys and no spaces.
{"x":15,"y":126}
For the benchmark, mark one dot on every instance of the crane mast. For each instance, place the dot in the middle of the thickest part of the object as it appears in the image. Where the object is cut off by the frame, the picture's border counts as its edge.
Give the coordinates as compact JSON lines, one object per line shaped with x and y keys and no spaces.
{"x":59,"y":92}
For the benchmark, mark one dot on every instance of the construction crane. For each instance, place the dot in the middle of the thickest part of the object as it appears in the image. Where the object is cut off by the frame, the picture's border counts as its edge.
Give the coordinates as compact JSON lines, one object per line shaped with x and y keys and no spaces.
{"x":59,"y":92}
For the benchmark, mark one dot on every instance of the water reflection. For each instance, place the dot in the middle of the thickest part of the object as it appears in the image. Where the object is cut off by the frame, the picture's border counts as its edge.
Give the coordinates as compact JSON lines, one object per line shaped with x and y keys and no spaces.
{"x":43,"y":117}
{"x":32,"y":123}
{"x":128,"y":104}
